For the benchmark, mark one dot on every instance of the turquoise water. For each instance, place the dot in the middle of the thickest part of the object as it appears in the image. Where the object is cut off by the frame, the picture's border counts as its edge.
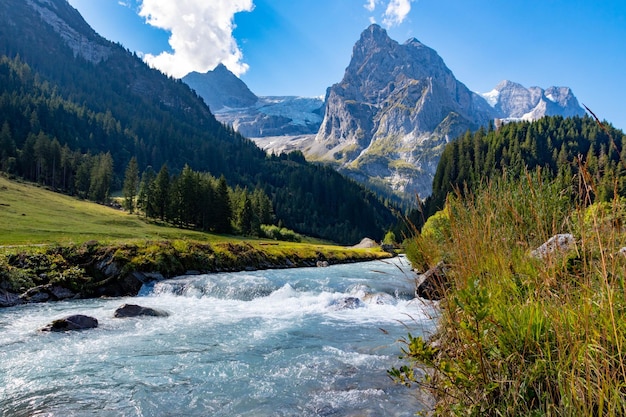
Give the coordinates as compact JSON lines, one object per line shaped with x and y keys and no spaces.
{"x":296,"y":342}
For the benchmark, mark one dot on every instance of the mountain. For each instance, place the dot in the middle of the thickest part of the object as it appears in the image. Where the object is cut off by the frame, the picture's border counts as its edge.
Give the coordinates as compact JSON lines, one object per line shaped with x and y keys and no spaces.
{"x":386,"y":123}
{"x":66,"y":92}
{"x":512,"y":101}
{"x":234,"y":104}
{"x":396,"y":107}
{"x":566,"y":149}
{"x":220,"y":88}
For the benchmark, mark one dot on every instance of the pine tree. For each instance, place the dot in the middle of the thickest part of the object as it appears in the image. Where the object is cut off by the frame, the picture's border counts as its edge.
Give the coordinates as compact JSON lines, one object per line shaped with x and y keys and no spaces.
{"x":101,"y":177}
{"x":162,"y":192}
{"x":223,"y":209}
{"x":145,"y":198}
{"x":131,"y":184}
{"x":246,"y":215}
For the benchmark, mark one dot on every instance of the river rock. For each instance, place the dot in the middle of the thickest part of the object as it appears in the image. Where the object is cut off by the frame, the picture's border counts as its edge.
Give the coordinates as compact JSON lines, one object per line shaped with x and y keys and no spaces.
{"x":561,"y":243}
{"x":134,"y":310}
{"x":379,"y":298}
{"x":433,"y":283}
{"x":347,"y":303}
{"x":48,"y":292}
{"x":9,"y":299}
{"x":75,"y":322}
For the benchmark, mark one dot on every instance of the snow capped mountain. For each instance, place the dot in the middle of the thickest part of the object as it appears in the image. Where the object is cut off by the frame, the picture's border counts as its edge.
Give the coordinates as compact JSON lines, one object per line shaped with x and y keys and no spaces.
{"x":234,"y":104}
{"x":512,"y":101}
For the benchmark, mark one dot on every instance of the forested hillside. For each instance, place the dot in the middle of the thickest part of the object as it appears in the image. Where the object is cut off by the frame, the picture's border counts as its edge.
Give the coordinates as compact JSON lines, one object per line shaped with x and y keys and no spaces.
{"x":561,"y":147}
{"x":75,"y":108}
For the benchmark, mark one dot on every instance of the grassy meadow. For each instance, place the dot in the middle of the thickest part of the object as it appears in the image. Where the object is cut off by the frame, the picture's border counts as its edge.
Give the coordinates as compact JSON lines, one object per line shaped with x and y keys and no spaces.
{"x":34,"y":215}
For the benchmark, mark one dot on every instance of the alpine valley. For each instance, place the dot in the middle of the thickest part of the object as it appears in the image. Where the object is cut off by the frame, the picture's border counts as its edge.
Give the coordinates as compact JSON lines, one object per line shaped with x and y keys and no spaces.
{"x":386,"y":123}
{"x":75,"y":108}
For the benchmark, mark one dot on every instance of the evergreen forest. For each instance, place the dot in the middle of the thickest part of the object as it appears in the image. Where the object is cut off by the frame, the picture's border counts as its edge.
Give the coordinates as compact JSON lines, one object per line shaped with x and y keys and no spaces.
{"x":559,"y":147}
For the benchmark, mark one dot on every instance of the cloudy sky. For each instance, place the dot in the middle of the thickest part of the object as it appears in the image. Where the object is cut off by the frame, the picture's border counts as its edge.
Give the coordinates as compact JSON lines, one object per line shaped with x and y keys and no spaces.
{"x":301,"y":47}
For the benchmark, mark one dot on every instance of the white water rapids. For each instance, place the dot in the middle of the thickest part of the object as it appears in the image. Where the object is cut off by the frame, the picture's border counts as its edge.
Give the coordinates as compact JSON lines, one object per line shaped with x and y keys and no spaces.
{"x":296,"y":342}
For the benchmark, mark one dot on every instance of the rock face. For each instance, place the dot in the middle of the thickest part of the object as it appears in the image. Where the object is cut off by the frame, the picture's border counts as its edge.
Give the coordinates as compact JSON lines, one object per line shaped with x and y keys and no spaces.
{"x":134,"y":310}
{"x":75,"y":322}
{"x":512,"y":101}
{"x":393,"y":112}
{"x":68,"y":23}
{"x":386,"y":123}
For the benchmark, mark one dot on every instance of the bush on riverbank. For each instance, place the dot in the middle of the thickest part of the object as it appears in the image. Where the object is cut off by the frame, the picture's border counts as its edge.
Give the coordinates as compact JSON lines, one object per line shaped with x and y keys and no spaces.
{"x":520,"y":335}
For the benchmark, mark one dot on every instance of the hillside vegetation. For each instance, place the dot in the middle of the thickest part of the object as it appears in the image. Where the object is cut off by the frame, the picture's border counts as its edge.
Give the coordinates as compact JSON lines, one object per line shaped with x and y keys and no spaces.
{"x":557,"y":145}
{"x":72,"y":119}
{"x":524,"y":332}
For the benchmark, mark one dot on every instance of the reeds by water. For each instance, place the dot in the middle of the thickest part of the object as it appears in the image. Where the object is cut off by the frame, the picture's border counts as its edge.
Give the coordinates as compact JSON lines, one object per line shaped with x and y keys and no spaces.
{"x":521,"y":335}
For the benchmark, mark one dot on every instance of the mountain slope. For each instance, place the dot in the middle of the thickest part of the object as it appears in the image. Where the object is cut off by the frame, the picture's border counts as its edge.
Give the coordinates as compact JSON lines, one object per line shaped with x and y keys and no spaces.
{"x":65,"y":81}
{"x":556,"y":145}
{"x":386,"y":123}
{"x":220,"y":88}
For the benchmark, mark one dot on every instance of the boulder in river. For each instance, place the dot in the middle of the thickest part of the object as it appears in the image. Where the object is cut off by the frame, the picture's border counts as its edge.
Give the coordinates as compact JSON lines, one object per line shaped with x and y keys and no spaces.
{"x":347,"y":303}
{"x":134,"y":310}
{"x":75,"y":322}
{"x":433,"y":283}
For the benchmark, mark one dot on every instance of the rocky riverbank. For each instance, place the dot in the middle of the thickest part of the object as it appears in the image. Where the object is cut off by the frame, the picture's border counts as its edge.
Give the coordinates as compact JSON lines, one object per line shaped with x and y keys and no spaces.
{"x":94,"y":270}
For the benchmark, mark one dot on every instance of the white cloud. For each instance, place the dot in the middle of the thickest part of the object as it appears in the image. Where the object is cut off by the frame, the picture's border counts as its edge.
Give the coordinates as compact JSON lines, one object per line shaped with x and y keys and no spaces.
{"x":370,"y":5}
{"x":201,"y":34}
{"x":396,"y":12}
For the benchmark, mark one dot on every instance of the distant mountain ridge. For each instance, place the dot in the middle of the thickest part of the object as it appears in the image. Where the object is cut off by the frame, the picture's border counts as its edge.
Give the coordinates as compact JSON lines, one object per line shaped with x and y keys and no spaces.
{"x":512,"y":101}
{"x":234,"y":104}
{"x":386,"y":122}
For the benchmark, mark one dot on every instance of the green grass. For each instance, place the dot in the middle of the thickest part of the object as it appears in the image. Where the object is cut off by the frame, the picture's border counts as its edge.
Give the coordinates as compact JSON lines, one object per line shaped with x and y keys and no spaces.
{"x":33,"y":215}
{"x":521,"y":336}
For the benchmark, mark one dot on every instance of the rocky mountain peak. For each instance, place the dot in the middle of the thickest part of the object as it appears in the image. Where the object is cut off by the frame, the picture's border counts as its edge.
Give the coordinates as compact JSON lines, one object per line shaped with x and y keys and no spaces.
{"x":221,"y":88}
{"x":395,"y":103}
{"x":513,"y":101}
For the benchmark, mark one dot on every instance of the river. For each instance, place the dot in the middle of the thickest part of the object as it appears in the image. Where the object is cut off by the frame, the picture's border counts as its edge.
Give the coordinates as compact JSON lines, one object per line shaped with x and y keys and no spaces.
{"x":291,"y":342}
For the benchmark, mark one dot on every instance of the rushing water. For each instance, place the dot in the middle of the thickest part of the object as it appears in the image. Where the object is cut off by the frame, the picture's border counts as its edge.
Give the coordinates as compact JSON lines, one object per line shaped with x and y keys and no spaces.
{"x":297,"y":342}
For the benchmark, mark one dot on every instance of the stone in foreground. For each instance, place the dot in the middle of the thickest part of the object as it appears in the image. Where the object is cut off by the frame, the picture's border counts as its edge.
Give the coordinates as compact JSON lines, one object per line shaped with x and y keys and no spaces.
{"x":75,"y":322}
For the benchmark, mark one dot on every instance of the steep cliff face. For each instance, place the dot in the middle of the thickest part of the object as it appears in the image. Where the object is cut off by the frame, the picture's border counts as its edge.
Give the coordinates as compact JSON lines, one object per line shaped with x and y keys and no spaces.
{"x":387,"y":120}
{"x":69,"y":24}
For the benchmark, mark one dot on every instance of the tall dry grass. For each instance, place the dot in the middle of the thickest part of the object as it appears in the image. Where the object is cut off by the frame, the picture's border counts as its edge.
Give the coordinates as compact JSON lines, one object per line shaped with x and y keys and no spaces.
{"x":519,"y":335}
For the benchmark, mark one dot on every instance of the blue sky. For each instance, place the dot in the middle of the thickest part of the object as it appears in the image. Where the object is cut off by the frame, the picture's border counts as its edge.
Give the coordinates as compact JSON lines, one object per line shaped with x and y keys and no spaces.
{"x":301,"y":47}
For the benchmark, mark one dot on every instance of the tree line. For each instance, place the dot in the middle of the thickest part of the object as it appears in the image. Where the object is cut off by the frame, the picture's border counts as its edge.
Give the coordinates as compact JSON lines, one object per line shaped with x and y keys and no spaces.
{"x":565,"y":149}
{"x":196,"y":200}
